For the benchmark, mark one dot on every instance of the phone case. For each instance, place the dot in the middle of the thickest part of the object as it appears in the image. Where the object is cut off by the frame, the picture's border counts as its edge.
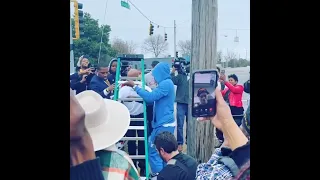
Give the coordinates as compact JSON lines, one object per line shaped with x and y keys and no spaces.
{"x":205,"y":110}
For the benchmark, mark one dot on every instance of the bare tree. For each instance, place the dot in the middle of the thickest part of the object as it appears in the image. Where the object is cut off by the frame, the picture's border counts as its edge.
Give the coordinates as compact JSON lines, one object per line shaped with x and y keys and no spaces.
{"x":219,"y":57}
{"x":230,"y":55}
{"x":124,"y":47}
{"x":155,"y":44}
{"x":230,"y":58}
{"x":185,"y":47}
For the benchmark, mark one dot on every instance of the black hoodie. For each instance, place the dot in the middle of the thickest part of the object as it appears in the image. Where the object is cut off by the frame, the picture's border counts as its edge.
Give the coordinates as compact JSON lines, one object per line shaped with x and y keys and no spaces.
{"x":112,"y":75}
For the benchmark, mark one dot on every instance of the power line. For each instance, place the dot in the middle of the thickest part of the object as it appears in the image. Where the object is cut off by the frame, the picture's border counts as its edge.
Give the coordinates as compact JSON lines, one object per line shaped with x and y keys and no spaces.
{"x":102,"y":29}
{"x":147,"y":16}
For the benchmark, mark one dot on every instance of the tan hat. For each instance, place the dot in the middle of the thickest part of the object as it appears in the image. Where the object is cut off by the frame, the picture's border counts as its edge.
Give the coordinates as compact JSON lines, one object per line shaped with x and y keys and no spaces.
{"x":106,"y":120}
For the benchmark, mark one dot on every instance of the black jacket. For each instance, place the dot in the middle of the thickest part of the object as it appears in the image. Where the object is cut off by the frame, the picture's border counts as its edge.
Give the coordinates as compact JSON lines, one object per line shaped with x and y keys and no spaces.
{"x":76,"y":85}
{"x":89,"y":170}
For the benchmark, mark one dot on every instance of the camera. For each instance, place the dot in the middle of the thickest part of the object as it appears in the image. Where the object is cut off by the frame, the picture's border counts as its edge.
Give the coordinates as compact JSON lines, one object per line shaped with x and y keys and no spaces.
{"x":124,"y":68}
{"x":181,"y":65}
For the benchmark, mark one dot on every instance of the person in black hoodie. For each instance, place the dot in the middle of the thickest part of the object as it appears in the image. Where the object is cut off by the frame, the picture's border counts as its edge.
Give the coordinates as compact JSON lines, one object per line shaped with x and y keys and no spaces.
{"x":112,"y":71}
{"x":83,"y":163}
{"x":80,"y":80}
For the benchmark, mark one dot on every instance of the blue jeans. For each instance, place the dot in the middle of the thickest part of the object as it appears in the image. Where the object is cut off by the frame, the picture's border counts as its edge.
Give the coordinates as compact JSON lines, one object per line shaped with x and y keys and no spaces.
{"x":182,"y":111}
{"x":156,"y":163}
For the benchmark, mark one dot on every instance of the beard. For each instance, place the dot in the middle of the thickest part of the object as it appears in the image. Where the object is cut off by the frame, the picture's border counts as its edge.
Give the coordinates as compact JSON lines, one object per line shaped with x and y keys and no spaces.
{"x":84,"y":66}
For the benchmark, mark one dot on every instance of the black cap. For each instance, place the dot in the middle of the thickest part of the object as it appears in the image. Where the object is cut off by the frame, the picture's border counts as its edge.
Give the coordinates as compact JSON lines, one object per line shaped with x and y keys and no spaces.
{"x":202,"y":90}
{"x":154,"y":63}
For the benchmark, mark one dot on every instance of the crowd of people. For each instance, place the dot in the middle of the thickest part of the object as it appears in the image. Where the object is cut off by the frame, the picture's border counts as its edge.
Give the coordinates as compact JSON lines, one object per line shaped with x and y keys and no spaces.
{"x":98,"y":123}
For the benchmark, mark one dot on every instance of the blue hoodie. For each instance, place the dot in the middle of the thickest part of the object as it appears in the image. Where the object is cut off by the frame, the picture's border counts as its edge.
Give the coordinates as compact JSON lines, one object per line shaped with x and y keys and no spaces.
{"x":163,"y":95}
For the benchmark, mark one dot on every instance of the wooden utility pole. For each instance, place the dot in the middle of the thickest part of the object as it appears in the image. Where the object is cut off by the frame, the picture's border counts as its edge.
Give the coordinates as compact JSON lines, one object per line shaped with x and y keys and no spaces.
{"x":201,"y":136}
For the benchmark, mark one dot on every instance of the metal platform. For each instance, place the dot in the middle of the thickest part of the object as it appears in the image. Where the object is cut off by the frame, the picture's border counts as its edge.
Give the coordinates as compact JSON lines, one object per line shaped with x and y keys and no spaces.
{"x":130,"y":57}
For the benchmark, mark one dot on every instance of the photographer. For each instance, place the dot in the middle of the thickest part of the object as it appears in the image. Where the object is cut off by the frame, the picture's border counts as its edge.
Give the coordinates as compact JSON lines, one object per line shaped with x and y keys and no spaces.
{"x":80,"y":80}
{"x":182,"y":97}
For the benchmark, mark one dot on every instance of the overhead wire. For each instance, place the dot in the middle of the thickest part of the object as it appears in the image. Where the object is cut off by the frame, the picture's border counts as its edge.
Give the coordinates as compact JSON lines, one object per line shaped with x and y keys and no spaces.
{"x":102,"y":30}
{"x":147,"y":16}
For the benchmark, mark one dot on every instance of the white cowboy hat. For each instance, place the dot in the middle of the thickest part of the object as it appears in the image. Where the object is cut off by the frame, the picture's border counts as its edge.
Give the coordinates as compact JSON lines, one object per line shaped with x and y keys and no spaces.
{"x":106,"y":120}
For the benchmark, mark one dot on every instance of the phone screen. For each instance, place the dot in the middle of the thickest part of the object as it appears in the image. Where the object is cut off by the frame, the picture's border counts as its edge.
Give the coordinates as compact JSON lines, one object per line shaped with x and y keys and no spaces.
{"x":203,"y":87}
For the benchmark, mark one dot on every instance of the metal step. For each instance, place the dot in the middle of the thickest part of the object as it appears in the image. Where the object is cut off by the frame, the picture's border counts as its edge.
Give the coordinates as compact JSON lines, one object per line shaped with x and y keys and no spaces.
{"x":135,"y":82}
{"x":132,"y":138}
{"x":130,"y":57}
{"x":130,"y":99}
{"x":137,"y":156}
{"x":136,"y":128}
{"x":136,"y":119}
{"x":130,"y":78}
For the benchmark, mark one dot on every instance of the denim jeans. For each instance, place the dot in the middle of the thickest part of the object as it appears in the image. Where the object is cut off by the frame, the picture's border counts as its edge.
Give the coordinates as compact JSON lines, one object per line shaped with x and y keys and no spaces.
{"x":182,"y":111}
{"x":156,"y":162}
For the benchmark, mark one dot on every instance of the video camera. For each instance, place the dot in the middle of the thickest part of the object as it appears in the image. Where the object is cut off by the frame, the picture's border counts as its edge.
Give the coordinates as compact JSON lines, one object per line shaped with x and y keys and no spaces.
{"x":125,"y":66}
{"x":181,"y":65}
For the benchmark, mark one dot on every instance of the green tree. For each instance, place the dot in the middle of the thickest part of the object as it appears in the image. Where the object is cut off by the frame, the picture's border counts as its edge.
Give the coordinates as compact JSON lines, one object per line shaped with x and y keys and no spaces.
{"x":89,"y":44}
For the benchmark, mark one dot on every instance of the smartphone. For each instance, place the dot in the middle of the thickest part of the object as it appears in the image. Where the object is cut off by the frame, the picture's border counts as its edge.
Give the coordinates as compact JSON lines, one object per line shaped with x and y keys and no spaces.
{"x":204,"y":84}
{"x":223,"y":72}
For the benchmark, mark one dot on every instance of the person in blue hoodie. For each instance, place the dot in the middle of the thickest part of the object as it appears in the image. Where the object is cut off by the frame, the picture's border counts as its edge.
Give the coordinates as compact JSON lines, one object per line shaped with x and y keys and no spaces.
{"x":163,"y":97}
{"x":100,"y":84}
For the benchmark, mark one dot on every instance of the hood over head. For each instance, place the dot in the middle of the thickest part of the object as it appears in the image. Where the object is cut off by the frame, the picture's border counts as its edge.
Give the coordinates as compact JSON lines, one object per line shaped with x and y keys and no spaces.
{"x":161,"y":72}
{"x":113,"y":60}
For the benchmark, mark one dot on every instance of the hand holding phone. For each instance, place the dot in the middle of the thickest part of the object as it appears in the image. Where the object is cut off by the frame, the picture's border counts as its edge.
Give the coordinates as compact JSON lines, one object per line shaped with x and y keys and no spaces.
{"x":223,"y":112}
{"x":204,"y":84}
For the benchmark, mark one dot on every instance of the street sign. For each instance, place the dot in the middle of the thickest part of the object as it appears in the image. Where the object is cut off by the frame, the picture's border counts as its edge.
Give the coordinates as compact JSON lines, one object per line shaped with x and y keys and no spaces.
{"x":125,"y":4}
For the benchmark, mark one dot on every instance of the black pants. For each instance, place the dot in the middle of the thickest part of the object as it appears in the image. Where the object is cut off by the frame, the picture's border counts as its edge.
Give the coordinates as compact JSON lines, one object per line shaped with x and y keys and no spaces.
{"x":235,"y":111}
{"x":149,"y":118}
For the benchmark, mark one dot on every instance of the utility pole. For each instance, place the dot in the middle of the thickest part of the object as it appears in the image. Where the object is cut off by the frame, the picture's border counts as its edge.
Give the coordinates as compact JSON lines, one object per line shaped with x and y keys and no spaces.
{"x":201,"y":136}
{"x":174,"y":38}
{"x":72,"y":69}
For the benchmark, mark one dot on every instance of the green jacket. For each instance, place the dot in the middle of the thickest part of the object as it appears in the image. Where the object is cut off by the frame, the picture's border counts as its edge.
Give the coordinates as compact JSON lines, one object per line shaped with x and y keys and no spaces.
{"x":182,"y":83}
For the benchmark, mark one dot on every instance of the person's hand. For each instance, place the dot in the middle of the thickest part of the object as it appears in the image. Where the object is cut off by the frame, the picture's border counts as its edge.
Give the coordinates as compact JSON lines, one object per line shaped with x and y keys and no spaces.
{"x":89,"y":71}
{"x":129,"y":83}
{"x":173,"y":70}
{"x":222,"y":77}
{"x":84,"y":78}
{"x":223,"y":115}
{"x":81,"y":147}
{"x":111,"y":88}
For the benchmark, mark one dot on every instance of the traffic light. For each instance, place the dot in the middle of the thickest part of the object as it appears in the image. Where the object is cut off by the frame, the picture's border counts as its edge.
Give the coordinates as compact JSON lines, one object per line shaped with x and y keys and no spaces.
{"x":177,"y":55}
{"x":78,"y":20}
{"x":151,"y":29}
{"x":165,"y":36}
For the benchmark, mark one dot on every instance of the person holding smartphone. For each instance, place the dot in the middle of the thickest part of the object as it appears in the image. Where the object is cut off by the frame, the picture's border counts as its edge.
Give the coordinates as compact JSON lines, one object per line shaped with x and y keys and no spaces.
{"x":80,"y":80}
{"x":100,"y":83}
{"x":233,"y":96}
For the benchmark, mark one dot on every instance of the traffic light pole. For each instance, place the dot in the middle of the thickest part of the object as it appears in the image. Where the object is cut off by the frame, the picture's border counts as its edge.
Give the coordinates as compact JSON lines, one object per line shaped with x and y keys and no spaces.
{"x":71,"y":51}
{"x":174,"y":38}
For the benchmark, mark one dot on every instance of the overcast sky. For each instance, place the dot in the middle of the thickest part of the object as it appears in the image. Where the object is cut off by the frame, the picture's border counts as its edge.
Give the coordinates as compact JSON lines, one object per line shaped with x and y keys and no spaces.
{"x":130,"y":25}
